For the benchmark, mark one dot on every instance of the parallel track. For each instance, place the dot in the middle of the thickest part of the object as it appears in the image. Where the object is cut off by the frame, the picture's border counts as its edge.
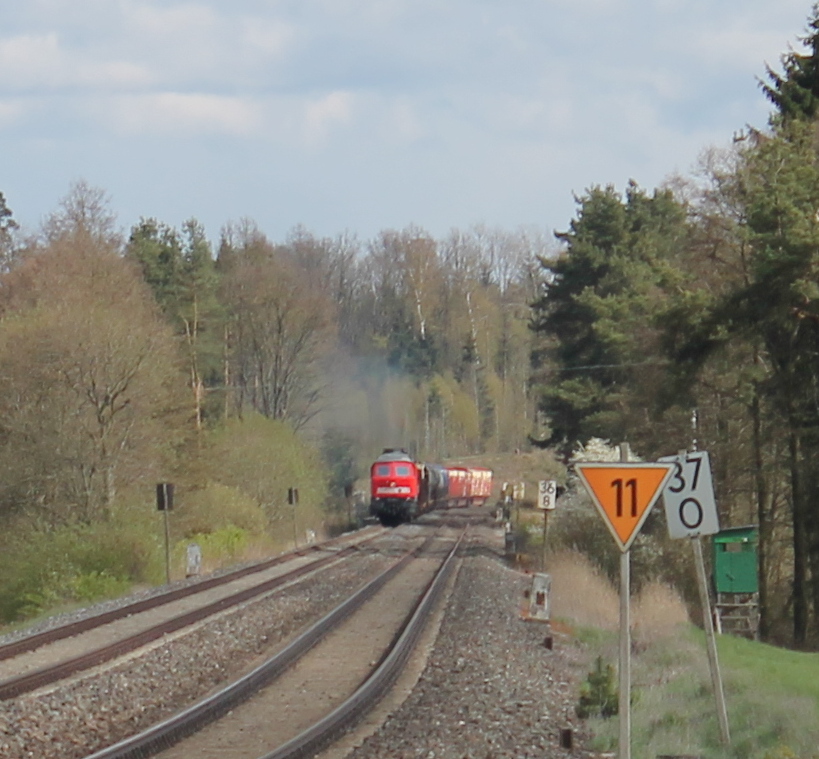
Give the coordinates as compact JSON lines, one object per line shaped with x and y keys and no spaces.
{"x":196,"y":717}
{"x":25,"y":683}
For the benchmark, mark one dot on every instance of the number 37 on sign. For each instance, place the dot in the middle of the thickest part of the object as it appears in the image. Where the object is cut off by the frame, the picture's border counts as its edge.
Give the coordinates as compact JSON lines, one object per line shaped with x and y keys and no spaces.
{"x":690,"y":506}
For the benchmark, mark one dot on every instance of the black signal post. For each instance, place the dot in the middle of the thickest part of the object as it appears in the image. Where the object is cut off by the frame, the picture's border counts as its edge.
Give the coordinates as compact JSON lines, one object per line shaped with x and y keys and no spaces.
{"x":293,"y":500}
{"x":164,"y":503}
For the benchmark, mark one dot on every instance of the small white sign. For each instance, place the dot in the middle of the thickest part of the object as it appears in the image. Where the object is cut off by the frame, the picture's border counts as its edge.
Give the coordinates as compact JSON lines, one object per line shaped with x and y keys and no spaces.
{"x":193,"y":554}
{"x":690,"y":506}
{"x":518,"y":491}
{"x":546,"y":494}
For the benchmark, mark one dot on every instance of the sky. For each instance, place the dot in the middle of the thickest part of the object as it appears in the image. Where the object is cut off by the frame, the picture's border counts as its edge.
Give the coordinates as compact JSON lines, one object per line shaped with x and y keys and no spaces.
{"x":357,"y":116}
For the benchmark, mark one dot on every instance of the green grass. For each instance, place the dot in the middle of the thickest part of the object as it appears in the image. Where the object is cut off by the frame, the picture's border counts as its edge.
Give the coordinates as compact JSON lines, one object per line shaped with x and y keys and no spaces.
{"x":772,"y":697}
{"x":788,"y":672}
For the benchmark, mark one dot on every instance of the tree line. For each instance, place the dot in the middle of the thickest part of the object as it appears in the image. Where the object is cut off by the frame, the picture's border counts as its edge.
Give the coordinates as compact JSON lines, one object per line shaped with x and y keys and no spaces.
{"x":689,"y":316}
{"x":683,"y":316}
{"x":237,"y":370}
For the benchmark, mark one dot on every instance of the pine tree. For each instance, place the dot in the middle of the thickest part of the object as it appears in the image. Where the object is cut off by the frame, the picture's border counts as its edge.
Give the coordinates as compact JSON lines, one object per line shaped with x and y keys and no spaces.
{"x":180,"y":270}
{"x":595,"y":320}
{"x":795,"y":92}
{"x":7,"y":227}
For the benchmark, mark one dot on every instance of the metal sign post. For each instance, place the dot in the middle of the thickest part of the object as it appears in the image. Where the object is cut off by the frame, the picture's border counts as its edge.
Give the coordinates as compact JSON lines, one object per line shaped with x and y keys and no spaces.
{"x":711,"y":640}
{"x":164,"y":503}
{"x":624,"y":691}
{"x":624,"y":494}
{"x":546,"y":500}
{"x":691,"y":511}
{"x":624,"y":685}
{"x":293,"y":500}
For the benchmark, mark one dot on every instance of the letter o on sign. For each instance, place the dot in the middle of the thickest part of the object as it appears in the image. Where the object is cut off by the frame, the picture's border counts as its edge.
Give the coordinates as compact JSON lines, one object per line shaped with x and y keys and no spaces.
{"x":691,"y":513}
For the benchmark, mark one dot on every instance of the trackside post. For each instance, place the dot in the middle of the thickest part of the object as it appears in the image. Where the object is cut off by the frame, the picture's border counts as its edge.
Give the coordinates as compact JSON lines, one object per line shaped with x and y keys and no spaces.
{"x":691,"y":511}
{"x":624,"y":685}
{"x":164,"y":503}
{"x":624,"y":494}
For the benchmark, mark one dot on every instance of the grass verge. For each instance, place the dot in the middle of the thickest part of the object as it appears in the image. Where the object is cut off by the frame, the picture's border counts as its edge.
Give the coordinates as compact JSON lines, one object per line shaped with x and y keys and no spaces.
{"x":772,"y":698}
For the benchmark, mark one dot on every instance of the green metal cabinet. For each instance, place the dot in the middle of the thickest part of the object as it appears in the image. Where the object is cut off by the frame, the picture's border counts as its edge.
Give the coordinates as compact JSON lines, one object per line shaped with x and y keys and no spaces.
{"x":735,"y":560}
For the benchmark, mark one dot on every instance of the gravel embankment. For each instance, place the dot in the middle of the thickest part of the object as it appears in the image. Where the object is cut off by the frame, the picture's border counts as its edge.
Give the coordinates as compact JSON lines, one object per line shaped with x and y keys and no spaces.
{"x":491,"y":689}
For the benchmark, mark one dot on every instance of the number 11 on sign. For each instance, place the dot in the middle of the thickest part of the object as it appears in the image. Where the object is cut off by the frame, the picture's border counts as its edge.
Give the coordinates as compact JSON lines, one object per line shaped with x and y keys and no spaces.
{"x":624,"y":494}
{"x":618,"y":487}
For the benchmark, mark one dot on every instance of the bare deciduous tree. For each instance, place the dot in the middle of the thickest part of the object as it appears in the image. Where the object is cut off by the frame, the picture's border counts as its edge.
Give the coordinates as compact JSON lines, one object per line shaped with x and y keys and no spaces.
{"x":88,"y":378}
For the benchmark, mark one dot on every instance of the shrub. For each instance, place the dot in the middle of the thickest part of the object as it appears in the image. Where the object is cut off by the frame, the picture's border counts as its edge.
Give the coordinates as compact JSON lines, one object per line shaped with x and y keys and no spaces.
{"x":220,"y":546}
{"x":78,"y":563}
{"x":598,"y":695}
{"x":93,"y":586}
{"x":262,"y":458}
{"x":215,"y":507}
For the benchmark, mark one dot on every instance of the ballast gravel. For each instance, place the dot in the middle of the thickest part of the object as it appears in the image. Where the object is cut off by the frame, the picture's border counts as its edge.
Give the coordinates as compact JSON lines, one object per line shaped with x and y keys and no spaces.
{"x":80,"y":717}
{"x":490,"y":688}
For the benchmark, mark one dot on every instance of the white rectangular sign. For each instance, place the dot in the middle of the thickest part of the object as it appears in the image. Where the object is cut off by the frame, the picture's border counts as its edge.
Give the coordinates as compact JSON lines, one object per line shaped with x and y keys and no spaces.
{"x":690,"y":507}
{"x":546,"y":494}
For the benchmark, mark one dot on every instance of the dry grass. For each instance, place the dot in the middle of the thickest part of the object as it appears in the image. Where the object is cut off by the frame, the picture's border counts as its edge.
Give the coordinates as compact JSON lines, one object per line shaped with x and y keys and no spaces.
{"x":583,"y":595}
{"x":657,"y":612}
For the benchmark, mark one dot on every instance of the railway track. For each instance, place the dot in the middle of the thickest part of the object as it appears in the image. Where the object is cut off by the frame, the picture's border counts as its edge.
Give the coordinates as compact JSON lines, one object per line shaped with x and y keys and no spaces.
{"x":45,"y":658}
{"x":325,"y":678}
{"x":489,"y":685}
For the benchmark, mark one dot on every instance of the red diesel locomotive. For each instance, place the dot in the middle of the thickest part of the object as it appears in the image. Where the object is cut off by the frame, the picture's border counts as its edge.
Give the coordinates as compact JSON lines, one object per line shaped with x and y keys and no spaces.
{"x":401,"y":488}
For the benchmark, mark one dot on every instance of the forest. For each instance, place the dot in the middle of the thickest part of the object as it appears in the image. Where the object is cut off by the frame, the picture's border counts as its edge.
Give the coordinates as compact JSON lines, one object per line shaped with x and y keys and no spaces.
{"x":235,"y":371}
{"x":685,"y":315}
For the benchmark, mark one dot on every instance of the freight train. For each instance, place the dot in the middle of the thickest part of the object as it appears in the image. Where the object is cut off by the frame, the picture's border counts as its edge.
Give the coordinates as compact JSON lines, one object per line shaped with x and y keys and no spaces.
{"x":402,"y":488}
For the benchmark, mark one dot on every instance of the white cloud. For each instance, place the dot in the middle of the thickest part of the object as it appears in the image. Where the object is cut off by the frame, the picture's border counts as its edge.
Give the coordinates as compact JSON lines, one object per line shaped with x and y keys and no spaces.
{"x":175,"y":113}
{"x":403,"y":123}
{"x":10,"y":112}
{"x":321,"y":115}
{"x":169,"y":21}
{"x":30,"y":59}
{"x":39,"y":61}
{"x":269,"y":37}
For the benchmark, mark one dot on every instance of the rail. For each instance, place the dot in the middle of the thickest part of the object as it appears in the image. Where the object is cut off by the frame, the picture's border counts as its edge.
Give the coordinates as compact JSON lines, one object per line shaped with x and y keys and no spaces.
{"x":189,"y":721}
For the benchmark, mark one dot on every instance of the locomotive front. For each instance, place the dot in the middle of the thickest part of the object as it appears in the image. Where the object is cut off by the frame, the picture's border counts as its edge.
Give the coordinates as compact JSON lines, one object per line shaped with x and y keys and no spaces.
{"x":394,"y":488}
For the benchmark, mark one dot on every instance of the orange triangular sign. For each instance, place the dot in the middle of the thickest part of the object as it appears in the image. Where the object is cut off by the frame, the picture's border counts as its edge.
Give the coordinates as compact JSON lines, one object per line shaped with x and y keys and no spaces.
{"x":624,"y":494}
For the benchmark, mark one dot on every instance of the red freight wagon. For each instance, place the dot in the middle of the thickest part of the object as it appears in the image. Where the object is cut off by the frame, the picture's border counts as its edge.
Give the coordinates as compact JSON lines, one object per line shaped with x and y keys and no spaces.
{"x":459,"y":483}
{"x":480,"y":486}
